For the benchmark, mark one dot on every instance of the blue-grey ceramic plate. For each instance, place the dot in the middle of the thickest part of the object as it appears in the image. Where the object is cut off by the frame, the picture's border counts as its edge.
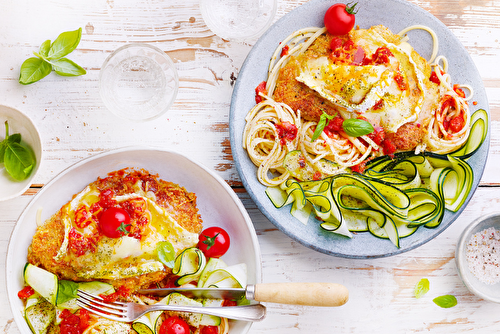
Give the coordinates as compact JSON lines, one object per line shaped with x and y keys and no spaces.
{"x":396,"y":15}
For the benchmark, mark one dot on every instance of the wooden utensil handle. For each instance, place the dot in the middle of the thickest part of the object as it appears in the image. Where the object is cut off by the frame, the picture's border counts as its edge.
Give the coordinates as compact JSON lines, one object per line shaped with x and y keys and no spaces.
{"x":311,"y":294}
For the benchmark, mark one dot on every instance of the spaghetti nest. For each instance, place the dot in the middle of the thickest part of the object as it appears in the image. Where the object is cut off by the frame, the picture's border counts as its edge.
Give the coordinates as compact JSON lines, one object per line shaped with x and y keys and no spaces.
{"x":316,"y":80}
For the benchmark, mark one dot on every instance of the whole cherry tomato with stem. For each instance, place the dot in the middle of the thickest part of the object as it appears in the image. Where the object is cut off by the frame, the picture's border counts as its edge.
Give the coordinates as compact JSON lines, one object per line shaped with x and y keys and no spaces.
{"x":214,"y":241}
{"x":174,"y":325}
{"x":114,"y":222}
{"x":340,"y":18}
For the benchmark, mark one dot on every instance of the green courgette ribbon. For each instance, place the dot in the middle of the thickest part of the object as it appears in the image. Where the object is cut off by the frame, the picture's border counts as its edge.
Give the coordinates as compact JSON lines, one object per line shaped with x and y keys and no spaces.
{"x":391,"y":200}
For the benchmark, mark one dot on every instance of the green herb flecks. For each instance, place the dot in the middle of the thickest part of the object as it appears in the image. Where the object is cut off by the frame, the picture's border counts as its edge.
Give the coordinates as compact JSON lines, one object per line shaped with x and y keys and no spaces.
{"x":51,"y":56}
{"x":445,"y":301}
{"x":18,"y":159}
{"x":421,"y":288}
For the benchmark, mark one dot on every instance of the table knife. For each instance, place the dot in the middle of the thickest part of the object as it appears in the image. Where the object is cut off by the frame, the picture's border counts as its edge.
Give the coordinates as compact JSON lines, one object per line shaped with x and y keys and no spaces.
{"x":310,"y":294}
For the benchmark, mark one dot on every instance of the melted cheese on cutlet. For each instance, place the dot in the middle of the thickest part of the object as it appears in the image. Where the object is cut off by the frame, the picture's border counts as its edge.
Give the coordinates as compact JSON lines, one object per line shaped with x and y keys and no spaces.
{"x":355,"y":90}
{"x":126,"y":256}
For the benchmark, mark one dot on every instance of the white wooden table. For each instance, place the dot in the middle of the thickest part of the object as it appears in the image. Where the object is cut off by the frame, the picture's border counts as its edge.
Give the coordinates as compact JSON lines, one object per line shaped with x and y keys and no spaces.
{"x":74,"y":124}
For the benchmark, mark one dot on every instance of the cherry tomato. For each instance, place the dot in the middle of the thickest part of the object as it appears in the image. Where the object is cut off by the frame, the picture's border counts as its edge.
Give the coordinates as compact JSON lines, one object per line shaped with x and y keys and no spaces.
{"x":339,"y":19}
{"x":114,"y":222}
{"x":209,"y":330}
{"x":457,"y":124}
{"x":214,"y":242}
{"x":174,"y":325}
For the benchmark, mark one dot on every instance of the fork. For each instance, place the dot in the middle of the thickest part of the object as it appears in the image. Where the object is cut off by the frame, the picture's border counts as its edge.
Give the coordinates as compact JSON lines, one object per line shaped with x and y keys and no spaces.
{"x":130,"y":311}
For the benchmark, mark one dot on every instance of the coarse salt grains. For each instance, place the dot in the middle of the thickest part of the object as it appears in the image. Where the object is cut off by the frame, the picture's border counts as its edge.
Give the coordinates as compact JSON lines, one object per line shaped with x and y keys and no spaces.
{"x":483,"y":255}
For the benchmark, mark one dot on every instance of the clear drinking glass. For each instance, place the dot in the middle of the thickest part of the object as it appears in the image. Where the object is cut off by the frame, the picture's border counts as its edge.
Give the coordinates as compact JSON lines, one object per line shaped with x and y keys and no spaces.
{"x":237,"y":19}
{"x":138,"y":82}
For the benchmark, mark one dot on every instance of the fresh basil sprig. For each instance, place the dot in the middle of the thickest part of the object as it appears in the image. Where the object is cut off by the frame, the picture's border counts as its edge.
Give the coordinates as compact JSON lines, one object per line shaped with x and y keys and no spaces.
{"x":354,"y":127}
{"x":445,"y":301}
{"x":321,"y":125}
{"x":51,"y":56}
{"x":17,"y":158}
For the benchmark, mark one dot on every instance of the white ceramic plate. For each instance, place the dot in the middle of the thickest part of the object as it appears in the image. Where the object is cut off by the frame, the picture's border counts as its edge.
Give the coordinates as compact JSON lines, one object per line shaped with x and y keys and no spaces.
{"x":217,"y":203}
{"x":18,"y":123}
{"x":396,"y":15}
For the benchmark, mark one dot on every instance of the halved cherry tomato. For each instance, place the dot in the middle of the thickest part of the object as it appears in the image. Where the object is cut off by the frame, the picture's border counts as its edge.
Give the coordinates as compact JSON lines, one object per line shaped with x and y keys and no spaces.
{"x":114,"y":222}
{"x":174,"y":325}
{"x":339,"y":19}
{"x":214,"y":242}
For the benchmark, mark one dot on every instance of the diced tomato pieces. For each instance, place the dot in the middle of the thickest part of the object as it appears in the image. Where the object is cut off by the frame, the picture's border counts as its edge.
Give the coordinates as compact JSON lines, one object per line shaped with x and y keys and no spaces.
{"x":228,"y":302}
{"x":73,"y":323}
{"x":457,"y":124}
{"x":348,"y":45}
{"x":381,"y":56}
{"x":261,"y":88}
{"x":359,"y":168}
{"x":83,"y":217}
{"x":121,"y":292}
{"x":84,"y":318}
{"x":334,"y":125}
{"x":336,"y":43}
{"x":80,"y":244}
{"x":400,"y":81}
{"x":209,"y":330}
{"x":378,"y":105}
{"x":459,"y":91}
{"x":286,"y":132}
{"x":388,"y":147}
{"x":284,"y":50}
{"x":434,"y":78}
{"x":378,"y":135}
{"x":317,"y":176}
{"x":26,"y":292}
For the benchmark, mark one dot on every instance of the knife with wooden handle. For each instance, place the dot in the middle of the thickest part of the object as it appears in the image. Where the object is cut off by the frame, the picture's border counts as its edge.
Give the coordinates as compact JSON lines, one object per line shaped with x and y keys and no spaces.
{"x":310,"y":294}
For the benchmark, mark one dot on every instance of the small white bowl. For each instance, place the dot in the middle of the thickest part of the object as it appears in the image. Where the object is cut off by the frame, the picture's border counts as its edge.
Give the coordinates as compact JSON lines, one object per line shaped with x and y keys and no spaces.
{"x":486,"y":291}
{"x":238,"y":20}
{"x":18,"y":123}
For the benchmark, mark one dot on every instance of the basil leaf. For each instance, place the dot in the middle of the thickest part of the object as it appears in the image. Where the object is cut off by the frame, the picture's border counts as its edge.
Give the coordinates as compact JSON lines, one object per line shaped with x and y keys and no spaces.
{"x":421,"y":288}
{"x":15,"y":138}
{"x":64,"y":44}
{"x":44,"y":48}
{"x":355,"y":127}
{"x":166,"y":253}
{"x":67,"y":67}
{"x":321,"y":125}
{"x":445,"y":301}
{"x":3,"y":146}
{"x":66,"y":291}
{"x":34,"y":69}
{"x":18,"y":161}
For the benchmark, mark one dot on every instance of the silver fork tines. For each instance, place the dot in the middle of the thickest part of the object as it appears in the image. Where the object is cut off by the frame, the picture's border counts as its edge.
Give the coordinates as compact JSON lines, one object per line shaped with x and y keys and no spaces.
{"x":97,"y":305}
{"x":128,"y":312}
